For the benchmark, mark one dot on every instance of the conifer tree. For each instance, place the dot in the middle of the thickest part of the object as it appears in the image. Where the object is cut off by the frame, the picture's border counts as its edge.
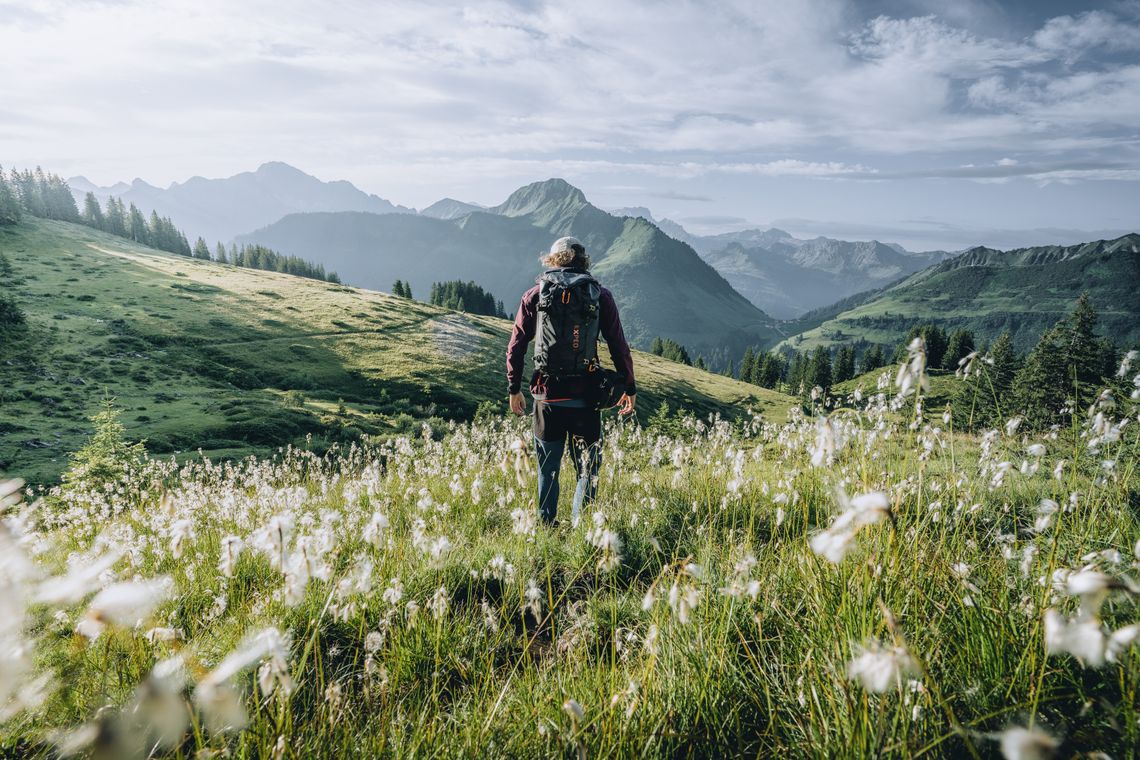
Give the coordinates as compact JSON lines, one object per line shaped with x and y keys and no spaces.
{"x":935,"y":338}
{"x":93,"y":213}
{"x":872,"y":358}
{"x":960,"y":345}
{"x":982,"y":398}
{"x":114,"y":218}
{"x":220,"y":253}
{"x":136,"y":226}
{"x":819,"y":370}
{"x":748,"y":365}
{"x":844,"y":368}
{"x":201,"y":250}
{"x":10,"y":210}
{"x":1063,"y":372}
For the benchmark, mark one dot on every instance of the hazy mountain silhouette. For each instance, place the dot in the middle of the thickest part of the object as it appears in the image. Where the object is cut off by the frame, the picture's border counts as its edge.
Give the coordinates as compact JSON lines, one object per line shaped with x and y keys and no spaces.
{"x":219,"y":209}
{"x":662,"y":285}
{"x":786,"y":276}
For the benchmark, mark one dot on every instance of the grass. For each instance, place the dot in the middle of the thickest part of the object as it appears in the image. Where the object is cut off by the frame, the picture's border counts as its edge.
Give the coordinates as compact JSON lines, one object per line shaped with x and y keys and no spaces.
{"x":201,"y":355}
{"x":689,"y":617}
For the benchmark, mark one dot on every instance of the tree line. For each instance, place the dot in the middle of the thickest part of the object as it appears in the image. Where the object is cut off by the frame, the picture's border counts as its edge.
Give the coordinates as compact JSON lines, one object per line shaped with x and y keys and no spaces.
{"x":48,"y":196}
{"x":463,"y":296}
{"x":1066,"y":371}
{"x":1062,"y":375}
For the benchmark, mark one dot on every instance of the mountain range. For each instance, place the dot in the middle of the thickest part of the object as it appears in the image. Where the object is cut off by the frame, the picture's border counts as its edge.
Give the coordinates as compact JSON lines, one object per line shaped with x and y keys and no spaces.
{"x":787,"y":276}
{"x":713,"y":293}
{"x":220,"y":209}
{"x":662,"y":286}
{"x":1023,"y":291}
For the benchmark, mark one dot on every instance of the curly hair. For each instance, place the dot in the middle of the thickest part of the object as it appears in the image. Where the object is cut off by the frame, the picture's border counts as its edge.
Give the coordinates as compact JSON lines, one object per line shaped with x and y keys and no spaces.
{"x":571,"y":259}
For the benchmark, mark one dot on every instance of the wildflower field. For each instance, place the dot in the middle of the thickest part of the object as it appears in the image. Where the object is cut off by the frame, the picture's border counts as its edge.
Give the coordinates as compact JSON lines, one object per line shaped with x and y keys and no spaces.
{"x":862,"y":580}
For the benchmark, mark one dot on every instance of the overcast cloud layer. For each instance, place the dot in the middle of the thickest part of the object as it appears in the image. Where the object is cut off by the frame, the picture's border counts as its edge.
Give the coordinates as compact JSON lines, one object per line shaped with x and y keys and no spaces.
{"x":989,"y":122}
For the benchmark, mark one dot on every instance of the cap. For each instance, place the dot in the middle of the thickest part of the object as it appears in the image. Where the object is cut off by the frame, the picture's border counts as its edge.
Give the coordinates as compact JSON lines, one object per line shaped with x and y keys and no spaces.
{"x":567,"y":245}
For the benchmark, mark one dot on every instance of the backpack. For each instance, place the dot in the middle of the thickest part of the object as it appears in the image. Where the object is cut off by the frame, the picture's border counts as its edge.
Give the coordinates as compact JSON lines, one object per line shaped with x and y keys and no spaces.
{"x":566,"y":337}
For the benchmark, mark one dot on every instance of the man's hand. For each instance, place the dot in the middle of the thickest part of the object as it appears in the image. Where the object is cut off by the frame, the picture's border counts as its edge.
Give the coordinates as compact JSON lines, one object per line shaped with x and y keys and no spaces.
{"x":518,"y":403}
{"x":626,"y":403}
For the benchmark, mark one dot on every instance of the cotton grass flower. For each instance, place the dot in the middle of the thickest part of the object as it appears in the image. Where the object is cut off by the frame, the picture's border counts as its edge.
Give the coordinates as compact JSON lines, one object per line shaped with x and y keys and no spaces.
{"x":375,"y":529}
{"x":158,"y":705}
{"x":83,"y":577}
{"x":440,"y":603}
{"x":912,"y":373}
{"x":217,"y":700}
{"x":1085,"y":637}
{"x":878,"y":668}
{"x":1019,"y":743}
{"x":230,"y":550}
{"x":123,"y":604}
{"x":866,"y":509}
{"x":533,"y":597}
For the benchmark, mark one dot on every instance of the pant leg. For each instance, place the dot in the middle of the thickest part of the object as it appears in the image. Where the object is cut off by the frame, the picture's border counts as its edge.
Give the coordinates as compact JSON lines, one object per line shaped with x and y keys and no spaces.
{"x":549,"y":463}
{"x":586,"y":452}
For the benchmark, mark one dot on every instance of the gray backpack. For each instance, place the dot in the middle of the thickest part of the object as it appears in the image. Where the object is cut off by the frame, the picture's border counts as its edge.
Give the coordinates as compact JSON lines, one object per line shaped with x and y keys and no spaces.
{"x":566,"y":337}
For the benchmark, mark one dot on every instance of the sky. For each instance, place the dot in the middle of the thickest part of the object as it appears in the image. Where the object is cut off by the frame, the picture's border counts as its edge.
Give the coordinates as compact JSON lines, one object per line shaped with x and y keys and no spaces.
{"x":934,"y":124}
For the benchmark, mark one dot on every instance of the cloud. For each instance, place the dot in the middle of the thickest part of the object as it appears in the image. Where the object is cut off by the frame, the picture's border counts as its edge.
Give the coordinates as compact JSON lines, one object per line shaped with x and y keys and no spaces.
{"x":1073,"y":37}
{"x":424,"y":97}
{"x":713,"y":220}
{"x":674,"y":195}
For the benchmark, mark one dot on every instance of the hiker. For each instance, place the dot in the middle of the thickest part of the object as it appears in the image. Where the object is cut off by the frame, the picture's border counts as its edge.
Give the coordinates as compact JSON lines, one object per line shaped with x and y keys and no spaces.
{"x":568,"y":309}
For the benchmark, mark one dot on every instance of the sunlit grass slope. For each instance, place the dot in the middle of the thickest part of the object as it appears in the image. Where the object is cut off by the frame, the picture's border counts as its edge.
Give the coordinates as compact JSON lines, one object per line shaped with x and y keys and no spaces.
{"x":234,"y":361}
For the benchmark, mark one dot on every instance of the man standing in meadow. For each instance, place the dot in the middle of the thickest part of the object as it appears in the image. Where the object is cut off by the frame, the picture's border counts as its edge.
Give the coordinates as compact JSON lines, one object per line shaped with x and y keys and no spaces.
{"x":565,"y":313}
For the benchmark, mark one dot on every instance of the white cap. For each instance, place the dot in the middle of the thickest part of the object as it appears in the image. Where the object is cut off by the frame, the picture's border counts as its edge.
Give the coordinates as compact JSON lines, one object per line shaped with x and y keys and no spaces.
{"x":567,"y":244}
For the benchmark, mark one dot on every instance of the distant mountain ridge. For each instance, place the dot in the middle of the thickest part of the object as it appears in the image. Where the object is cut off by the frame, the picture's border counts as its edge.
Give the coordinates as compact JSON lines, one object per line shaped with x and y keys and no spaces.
{"x":662,"y":286}
{"x":787,"y":276}
{"x":1023,"y":291}
{"x":220,"y":209}
{"x":449,"y":208}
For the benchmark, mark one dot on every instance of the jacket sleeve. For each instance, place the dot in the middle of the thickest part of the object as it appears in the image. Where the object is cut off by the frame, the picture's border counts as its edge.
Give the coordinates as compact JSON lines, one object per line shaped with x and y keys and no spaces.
{"x":521,"y":335}
{"x":615,"y":338}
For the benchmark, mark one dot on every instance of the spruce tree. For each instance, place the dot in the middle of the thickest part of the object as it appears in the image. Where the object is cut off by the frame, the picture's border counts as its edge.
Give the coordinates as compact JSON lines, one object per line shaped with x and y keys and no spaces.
{"x":657,"y":347}
{"x":985,"y":399}
{"x":201,"y":250}
{"x":114,"y":218}
{"x":9,"y":202}
{"x":872,"y":358}
{"x":92,"y":212}
{"x":136,"y":226}
{"x":748,"y":365}
{"x":936,"y":341}
{"x":819,"y":372}
{"x":1063,"y":372}
{"x":960,"y":345}
{"x":1085,"y":351}
{"x":844,"y":368}
{"x":220,"y":253}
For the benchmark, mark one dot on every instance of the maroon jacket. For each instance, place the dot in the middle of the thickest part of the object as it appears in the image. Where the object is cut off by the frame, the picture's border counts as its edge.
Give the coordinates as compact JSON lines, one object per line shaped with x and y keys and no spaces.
{"x":541,"y":387}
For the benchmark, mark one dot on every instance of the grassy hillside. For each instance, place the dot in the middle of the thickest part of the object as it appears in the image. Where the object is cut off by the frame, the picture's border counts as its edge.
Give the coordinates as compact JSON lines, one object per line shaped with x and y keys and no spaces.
{"x":234,"y":361}
{"x":1023,"y":291}
{"x":663,"y":287}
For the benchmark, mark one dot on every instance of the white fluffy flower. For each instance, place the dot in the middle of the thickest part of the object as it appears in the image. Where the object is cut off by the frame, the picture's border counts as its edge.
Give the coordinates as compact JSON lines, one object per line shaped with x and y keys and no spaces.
{"x":878,"y":668}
